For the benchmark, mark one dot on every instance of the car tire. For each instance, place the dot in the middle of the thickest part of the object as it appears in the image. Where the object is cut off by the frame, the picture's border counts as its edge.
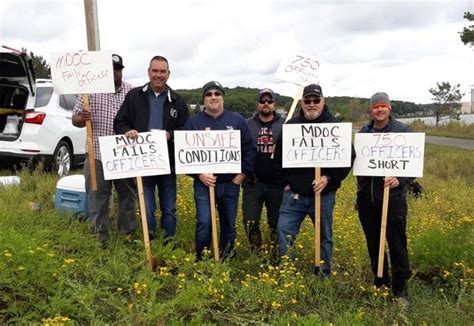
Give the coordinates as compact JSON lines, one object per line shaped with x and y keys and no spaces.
{"x":62,"y":160}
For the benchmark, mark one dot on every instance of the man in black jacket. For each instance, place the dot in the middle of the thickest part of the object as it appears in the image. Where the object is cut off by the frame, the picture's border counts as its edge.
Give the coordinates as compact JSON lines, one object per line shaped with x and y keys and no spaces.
{"x":369,"y":204}
{"x":155,"y":106}
{"x":301,"y":186}
{"x":261,"y":187}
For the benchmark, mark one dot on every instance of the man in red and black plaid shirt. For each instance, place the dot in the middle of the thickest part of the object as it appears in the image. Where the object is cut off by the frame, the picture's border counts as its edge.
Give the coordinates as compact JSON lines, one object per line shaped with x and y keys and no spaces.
{"x":104,"y":107}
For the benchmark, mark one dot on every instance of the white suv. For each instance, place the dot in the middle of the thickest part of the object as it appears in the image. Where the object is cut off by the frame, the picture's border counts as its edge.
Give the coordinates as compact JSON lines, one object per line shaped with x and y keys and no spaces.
{"x":35,"y":123}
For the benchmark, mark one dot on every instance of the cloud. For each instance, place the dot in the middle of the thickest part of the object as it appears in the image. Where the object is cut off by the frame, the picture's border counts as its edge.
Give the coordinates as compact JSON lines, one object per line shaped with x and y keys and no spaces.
{"x":404,"y":47}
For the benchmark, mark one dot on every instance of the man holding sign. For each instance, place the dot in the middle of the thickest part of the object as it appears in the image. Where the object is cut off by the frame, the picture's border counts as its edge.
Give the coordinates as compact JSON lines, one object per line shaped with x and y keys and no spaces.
{"x":104,"y":108}
{"x":369,"y":204}
{"x":226,"y":186}
{"x":155,"y":106}
{"x":301,"y":186}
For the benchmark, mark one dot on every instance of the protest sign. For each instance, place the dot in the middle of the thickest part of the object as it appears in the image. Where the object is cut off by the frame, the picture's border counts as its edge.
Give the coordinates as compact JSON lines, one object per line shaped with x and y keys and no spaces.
{"x":317,"y":145}
{"x":304,"y":69}
{"x":207,"y":151}
{"x":146,"y":155}
{"x":389,"y":154}
{"x":82,"y":72}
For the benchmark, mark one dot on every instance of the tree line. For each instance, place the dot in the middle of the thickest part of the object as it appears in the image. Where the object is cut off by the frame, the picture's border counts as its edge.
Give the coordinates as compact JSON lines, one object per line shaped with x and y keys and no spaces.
{"x":346,"y":108}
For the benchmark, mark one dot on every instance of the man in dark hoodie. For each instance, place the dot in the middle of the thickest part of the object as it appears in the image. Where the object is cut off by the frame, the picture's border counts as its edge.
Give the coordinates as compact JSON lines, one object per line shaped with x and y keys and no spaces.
{"x":262,"y":187}
{"x":369,"y":204}
{"x":300,"y":185}
{"x":151,"y":107}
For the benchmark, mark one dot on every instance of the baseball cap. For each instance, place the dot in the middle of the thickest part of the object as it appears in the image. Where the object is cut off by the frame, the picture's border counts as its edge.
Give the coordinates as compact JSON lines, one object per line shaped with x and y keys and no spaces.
{"x":117,"y":60}
{"x":264,"y":91}
{"x":312,"y":89}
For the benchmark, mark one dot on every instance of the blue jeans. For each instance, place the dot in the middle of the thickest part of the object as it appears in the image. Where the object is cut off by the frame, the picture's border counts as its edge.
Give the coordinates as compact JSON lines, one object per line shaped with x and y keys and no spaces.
{"x":167,"y":195}
{"x":293,"y":211}
{"x":226,"y":198}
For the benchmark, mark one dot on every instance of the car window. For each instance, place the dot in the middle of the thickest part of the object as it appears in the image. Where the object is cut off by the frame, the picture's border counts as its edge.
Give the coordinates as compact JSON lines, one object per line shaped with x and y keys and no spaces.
{"x":67,"y":101}
{"x":43,"y":95}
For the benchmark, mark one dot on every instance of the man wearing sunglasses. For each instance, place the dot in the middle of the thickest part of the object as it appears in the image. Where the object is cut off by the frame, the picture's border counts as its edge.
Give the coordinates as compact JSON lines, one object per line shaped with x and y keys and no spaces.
{"x":226,"y":186}
{"x":261,"y":187}
{"x":301,"y":186}
{"x":155,"y":106}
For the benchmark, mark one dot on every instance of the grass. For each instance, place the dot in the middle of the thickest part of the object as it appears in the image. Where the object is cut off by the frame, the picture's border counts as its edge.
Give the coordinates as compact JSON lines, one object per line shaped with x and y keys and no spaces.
{"x":53,"y":272}
{"x":454,"y":129}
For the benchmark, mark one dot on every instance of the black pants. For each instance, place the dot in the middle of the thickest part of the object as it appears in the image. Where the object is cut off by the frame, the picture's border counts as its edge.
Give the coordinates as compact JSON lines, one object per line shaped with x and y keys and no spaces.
{"x":370,"y":216}
{"x":257,"y":194}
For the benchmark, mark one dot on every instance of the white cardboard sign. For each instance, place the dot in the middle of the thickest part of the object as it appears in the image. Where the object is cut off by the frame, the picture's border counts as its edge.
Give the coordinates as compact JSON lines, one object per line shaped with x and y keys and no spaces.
{"x":389,"y":154}
{"x":82,"y":72}
{"x":146,"y":155}
{"x":304,"y":69}
{"x":207,"y":151}
{"x":317,"y":145}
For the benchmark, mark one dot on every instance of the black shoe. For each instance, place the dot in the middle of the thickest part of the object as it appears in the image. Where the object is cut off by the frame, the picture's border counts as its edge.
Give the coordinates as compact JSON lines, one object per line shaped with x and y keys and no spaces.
{"x":320,"y":273}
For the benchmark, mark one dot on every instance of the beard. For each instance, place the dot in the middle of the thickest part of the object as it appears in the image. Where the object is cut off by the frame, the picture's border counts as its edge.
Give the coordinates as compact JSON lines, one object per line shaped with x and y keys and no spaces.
{"x":266,"y":113}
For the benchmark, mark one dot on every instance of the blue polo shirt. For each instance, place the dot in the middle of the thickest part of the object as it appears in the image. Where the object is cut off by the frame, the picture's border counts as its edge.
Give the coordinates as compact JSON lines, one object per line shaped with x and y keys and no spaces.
{"x":157,"y":104}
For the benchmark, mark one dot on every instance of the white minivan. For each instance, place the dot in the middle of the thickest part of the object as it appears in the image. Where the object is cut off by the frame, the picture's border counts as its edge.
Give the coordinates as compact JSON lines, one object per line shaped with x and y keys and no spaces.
{"x":35,"y":123}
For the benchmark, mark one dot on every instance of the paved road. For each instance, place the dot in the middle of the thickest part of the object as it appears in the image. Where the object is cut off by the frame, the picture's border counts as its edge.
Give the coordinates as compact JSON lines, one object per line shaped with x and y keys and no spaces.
{"x":455,"y":142}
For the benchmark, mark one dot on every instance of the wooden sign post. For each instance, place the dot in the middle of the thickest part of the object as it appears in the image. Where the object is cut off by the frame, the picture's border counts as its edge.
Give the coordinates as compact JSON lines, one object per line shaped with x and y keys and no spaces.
{"x":317,"y":221}
{"x":383,"y":230}
{"x":146,"y":237}
{"x":299,"y":92}
{"x":384,"y":154}
{"x":90,"y":143}
{"x":215,"y":243}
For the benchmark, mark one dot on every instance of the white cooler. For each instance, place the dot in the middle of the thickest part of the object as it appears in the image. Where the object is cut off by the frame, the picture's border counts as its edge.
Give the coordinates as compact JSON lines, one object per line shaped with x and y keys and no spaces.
{"x":71,"y":195}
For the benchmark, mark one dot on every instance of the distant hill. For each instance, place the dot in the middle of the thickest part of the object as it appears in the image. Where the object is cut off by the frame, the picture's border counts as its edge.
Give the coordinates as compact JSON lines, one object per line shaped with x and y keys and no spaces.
{"x":242,"y":100}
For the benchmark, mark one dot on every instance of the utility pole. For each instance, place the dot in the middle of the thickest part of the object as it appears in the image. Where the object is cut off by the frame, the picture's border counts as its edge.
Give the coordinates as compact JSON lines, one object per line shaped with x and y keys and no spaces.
{"x":93,"y":44}
{"x":92,"y":25}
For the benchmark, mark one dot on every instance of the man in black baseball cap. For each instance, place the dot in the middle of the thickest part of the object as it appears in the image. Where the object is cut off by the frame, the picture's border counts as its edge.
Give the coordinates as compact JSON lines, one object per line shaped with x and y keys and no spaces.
{"x":261,"y":187}
{"x":300,"y":185}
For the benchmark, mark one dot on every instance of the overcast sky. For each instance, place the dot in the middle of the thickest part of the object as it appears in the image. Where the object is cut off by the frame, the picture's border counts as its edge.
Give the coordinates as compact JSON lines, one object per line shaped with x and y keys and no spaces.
{"x":400,"y":47}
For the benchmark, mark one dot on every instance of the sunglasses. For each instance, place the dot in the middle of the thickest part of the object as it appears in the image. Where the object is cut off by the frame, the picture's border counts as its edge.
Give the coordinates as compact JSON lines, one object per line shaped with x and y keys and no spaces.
{"x":316,"y":101}
{"x":216,"y":94}
{"x":268,"y":101}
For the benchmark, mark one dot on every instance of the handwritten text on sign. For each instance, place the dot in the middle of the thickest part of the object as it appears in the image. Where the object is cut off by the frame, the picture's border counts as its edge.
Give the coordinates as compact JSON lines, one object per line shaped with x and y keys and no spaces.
{"x":146,"y":155}
{"x":317,"y":145}
{"x":207,"y":151}
{"x":82,"y":72}
{"x":304,"y":69}
{"x":389,"y":154}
